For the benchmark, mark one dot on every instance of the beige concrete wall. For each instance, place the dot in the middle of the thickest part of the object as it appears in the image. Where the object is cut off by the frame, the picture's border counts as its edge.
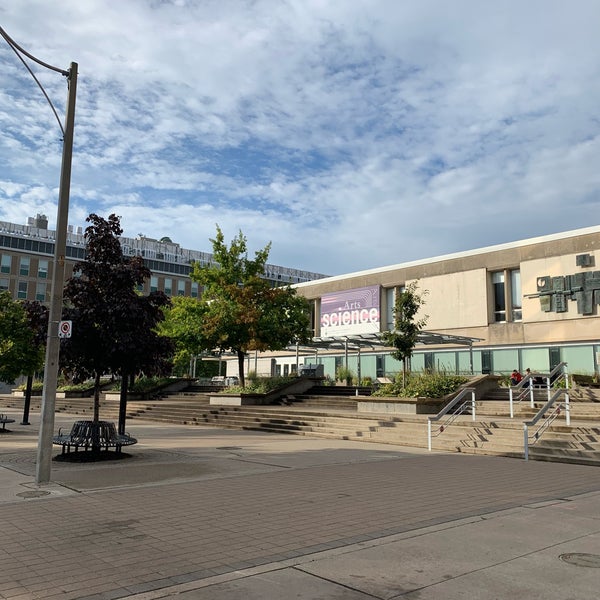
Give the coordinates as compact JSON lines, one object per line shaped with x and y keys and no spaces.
{"x":455,"y":300}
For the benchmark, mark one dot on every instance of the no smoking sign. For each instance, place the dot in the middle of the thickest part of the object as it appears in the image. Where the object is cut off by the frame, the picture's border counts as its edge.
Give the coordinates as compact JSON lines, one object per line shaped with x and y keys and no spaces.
{"x":64,"y":329}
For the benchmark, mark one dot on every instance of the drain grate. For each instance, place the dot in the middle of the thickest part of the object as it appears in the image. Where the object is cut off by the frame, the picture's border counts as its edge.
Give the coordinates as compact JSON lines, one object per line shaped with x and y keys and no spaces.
{"x":580,"y":559}
{"x":229,"y":447}
{"x":33,"y":494}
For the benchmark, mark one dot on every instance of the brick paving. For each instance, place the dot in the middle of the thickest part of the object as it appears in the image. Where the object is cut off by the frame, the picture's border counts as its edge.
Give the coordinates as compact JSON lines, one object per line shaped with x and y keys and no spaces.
{"x":113,"y":543}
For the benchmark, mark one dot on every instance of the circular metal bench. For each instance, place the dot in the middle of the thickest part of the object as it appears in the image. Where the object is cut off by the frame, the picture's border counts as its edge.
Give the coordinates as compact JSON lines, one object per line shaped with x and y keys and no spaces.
{"x":93,"y":434}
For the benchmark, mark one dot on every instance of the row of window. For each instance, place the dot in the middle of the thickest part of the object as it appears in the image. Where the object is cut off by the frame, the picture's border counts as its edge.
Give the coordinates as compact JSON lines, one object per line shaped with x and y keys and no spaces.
{"x":41,"y":289}
{"x":24,"y":266}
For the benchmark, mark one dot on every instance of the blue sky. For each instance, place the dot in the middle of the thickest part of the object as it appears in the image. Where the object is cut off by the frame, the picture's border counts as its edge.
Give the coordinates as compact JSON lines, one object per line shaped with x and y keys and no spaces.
{"x":350,"y":134}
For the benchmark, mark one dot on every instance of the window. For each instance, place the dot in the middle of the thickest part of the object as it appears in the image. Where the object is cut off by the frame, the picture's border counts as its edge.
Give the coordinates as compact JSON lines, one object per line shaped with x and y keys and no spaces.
{"x":24,"y":266}
{"x":180,"y":287}
{"x":515,"y":295}
{"x":22,"y":290}
{"x":40,"y":291}
{"x":42,"y":269}
{"x":3,"y":285}
{"x":194,"y":289}
{"x":499,"y":297}
{"x":168,"y":286}
{"x":5,"y":264}
{"x":154,"y":283}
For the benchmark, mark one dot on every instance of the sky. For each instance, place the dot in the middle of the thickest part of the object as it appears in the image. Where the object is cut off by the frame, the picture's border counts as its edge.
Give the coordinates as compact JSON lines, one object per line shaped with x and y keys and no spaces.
{"x":351,"y":134}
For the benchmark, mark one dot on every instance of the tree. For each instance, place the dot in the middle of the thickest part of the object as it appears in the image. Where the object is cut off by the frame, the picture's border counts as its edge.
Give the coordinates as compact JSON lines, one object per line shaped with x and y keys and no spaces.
{"x":18,"y":353}
{"x":242,"y":311}
{"x":37,"y":319}
{"x":113,"y":325}
{"x":183,"y":325}
{"x":406,"y":326}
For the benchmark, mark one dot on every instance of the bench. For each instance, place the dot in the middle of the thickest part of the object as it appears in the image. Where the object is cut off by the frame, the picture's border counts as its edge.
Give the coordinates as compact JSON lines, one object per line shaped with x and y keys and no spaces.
{"x":92,"y":434}
{"x":4,"y":419}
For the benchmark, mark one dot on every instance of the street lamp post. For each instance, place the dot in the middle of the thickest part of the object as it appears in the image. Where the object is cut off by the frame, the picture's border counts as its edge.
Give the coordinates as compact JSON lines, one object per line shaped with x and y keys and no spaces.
{"x":44,"y":452}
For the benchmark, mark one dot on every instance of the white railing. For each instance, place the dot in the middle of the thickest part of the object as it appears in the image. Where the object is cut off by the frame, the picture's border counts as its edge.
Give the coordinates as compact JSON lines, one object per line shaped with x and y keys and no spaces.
{"x":466,"y":404}
{"x":530,"y":439}
{"x":524,"y":389}
{"x":526,"y":385}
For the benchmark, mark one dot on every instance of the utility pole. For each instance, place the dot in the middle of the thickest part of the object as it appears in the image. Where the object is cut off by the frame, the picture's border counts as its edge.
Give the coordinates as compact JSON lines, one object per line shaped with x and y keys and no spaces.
{"x":44,"y":452}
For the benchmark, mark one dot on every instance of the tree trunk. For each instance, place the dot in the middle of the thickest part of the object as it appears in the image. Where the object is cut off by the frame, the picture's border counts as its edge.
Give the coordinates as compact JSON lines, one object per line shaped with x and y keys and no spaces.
{"x":241,"y":356}
{"x":123,"y":403}
{"x":27,"y":403}
{"x":96,"y":428}
{"x":97,"y":397}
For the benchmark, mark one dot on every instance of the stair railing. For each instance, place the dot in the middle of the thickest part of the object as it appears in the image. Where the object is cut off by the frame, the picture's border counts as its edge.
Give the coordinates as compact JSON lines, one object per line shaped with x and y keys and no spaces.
{"x":526,"y":385}
{"x":559,"y":372}
{"x":525,"y":388}
{"x":462,"y":407}
{"x":548,"y":416}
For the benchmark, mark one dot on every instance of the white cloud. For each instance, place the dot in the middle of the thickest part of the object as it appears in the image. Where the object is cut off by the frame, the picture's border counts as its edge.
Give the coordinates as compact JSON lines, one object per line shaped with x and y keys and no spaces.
{"x":351,"y":134}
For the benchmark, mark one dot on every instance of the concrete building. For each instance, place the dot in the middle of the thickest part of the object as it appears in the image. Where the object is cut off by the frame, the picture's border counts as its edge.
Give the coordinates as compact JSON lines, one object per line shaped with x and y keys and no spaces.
{"x":531,"y":303}
{"x":27,"y":252}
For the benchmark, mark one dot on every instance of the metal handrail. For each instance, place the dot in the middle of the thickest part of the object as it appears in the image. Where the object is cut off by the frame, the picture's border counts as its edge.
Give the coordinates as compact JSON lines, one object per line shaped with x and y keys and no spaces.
{"x":523,"y":393}
{"x":461,"y":409}
{"x":549,"y":419}
{"x":560,"y":368}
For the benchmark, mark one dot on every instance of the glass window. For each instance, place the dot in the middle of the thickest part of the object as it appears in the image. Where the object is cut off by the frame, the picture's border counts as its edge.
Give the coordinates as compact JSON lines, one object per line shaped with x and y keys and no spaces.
{"x":43,"y":269}
{"x":504,"y":361}
{"x":3,"y":285}
{"x":515,"y":295}
{"x":194,"y":289}
{"x":5,"y":264}
{"x":499,"y":298}
{"x":445,"y":362}
{"x":536,"y":359}
{"x":22,"y":290}
{"x":168,"y":286}
{"x":24,"y":266}
{"x":154,"y":283}
{"x":180,"y":287}
{"x":580,"y":359}
{"x":40,"y":292}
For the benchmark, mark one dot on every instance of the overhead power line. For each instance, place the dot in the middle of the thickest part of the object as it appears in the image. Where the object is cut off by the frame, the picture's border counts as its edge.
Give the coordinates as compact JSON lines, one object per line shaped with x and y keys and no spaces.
{"x":19,"y":52}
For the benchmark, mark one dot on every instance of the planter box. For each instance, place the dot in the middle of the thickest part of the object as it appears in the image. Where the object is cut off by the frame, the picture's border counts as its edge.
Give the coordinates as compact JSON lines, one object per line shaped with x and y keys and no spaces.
{"x":238,"y":399}
{"x":411,"y":406}
{"x":21,"y":394}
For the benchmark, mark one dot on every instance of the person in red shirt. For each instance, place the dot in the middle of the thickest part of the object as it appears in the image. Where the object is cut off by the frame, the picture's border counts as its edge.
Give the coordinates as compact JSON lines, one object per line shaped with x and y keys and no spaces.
{"x":515,"y":377}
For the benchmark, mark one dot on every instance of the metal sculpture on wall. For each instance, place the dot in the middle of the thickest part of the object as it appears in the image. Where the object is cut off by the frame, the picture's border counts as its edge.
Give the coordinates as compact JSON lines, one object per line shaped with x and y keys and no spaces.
{"x":583,"y":288}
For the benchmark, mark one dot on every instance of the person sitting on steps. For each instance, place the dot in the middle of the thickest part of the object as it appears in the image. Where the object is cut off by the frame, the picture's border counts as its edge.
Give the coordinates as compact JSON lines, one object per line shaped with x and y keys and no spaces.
{"x":515,"y":377}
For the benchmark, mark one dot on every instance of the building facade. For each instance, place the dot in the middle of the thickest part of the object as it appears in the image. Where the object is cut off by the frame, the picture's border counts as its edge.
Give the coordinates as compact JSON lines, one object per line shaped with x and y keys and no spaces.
{"x":27,"y":255}
{"x":528,"y":304}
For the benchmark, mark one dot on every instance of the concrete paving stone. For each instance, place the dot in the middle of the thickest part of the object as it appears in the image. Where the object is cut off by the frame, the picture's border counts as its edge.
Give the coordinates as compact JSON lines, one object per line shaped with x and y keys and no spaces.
{"x":278,"y":584}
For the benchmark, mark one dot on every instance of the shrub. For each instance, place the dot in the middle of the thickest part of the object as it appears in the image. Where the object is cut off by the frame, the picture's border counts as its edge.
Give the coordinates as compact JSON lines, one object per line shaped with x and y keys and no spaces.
{"x":260,"y":385}
{"x":424,"y":384}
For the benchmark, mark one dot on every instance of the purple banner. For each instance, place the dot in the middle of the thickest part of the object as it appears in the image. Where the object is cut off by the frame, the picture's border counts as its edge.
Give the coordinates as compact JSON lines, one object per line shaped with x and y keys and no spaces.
{"x":350,"y":312}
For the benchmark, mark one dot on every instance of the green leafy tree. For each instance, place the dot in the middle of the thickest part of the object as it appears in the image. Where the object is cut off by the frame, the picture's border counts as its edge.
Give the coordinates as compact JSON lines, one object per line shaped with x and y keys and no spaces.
{"x":183,"y":324}
{"x":114,"y":327}
{"x":406,"y":325}
{"x":19,"y":355}
{"x":37,"y":319}
{"x":242,"y":311}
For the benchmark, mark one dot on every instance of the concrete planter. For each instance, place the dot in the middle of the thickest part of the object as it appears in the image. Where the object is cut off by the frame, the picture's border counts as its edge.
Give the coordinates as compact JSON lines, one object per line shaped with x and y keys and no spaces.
{"x":407,"y":406}
{"x":21,"y":394}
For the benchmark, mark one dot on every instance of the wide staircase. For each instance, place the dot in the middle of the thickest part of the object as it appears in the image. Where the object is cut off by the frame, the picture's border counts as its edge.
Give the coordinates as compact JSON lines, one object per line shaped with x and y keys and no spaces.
{"x":334,"y":415}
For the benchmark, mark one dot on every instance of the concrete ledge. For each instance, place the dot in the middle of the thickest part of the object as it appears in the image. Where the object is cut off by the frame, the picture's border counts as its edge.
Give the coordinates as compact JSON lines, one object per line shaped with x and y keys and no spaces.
{"x":238,"y":400}
{"x":412,"y":406}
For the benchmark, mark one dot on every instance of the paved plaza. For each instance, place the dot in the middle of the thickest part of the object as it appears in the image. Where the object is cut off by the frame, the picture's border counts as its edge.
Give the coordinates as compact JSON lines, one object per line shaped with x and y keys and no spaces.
{"x":203,"y":513}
